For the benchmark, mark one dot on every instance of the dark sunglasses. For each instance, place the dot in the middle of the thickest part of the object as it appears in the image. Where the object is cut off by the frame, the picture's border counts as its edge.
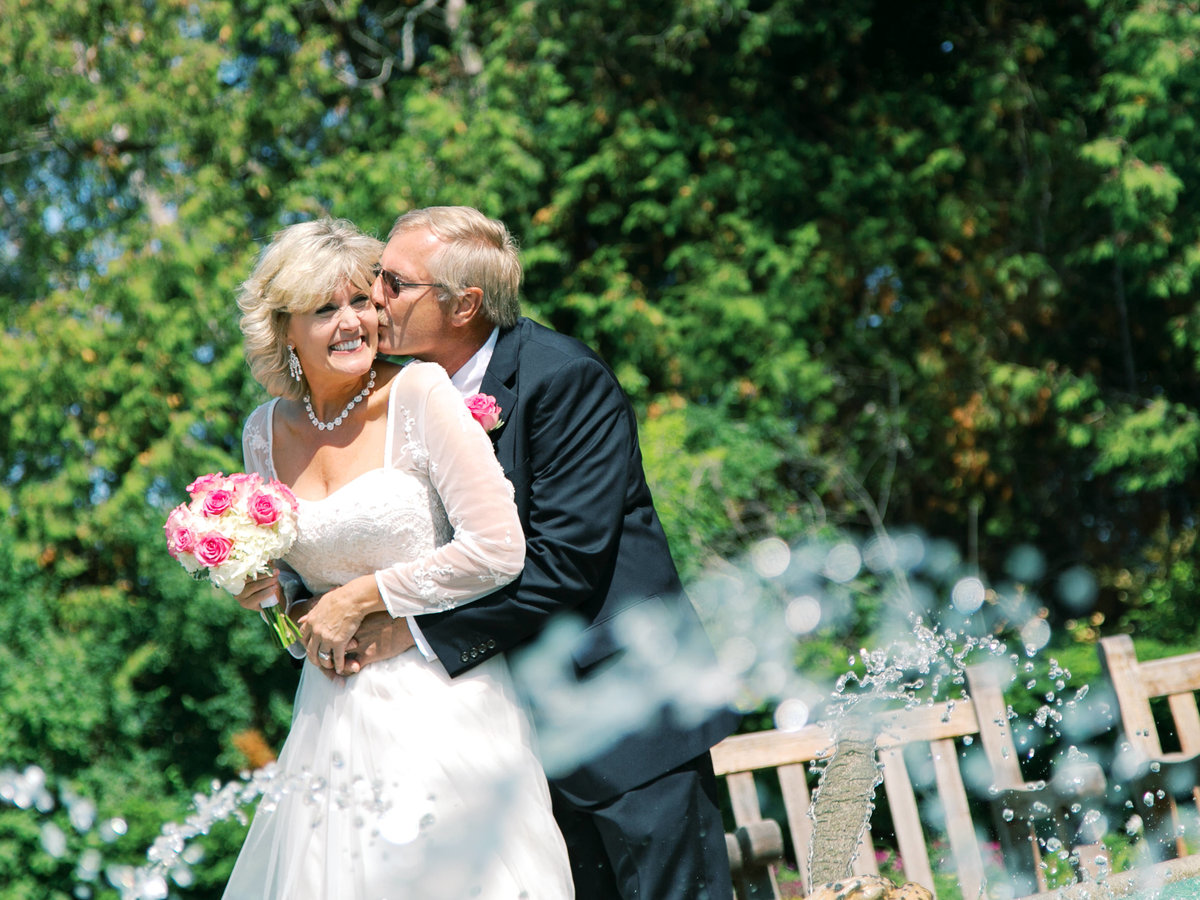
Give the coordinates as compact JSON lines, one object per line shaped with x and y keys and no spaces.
{"x":392,"y":285}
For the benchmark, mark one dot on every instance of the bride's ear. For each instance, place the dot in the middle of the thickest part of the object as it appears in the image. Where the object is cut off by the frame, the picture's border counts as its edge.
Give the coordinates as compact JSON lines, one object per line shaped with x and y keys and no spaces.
{"x":467,"y":306}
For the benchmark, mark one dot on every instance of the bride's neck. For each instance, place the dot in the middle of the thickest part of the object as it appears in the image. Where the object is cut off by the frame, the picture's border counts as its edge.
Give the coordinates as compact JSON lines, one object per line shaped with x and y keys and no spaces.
{"x":330,"y":397}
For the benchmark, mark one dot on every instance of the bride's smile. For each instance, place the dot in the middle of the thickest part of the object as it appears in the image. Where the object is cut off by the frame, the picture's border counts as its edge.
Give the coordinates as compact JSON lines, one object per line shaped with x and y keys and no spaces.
{"x":336,"y":344}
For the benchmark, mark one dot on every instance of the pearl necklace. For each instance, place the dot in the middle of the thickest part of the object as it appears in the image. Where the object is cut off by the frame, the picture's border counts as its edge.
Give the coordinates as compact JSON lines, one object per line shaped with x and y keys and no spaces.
{"x":329,"y":426}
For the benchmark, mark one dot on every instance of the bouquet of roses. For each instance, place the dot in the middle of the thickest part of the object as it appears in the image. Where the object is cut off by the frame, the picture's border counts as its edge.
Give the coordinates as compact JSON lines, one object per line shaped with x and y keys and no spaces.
{"x":230,"y":530}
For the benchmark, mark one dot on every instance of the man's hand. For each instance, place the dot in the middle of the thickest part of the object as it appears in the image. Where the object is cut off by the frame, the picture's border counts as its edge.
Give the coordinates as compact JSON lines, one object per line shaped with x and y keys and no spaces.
{"x":378,"y":637}
{"x":328,"y":627}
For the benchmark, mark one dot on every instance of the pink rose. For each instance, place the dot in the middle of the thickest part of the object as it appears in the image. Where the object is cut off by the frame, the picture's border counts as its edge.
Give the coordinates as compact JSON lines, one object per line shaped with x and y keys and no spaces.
{"x":217,"y":502}
{"x":285,"y":492}
{"x":243,"y":482}
{"x":205,"y":483}
{"x":263,"y":508}
{"x":483,"y":407}
{"x":180,"y":538}
{"x":213,"y":549}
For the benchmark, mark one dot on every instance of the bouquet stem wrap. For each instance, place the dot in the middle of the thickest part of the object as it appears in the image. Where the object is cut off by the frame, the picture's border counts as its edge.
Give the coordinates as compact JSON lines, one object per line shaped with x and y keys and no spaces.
{"x":285,"y":630}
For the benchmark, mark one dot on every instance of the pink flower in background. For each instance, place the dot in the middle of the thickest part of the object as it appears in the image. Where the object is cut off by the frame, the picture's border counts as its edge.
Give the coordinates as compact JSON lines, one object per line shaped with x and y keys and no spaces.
{"x":213,"y":548}
{"x":485,"y":411}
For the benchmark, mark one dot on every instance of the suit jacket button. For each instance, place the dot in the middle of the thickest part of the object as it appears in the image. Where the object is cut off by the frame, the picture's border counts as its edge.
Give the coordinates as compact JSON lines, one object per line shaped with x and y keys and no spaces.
{"x":465,"y":656}
{"x":474,"y":653}
{"x":491,"y":644}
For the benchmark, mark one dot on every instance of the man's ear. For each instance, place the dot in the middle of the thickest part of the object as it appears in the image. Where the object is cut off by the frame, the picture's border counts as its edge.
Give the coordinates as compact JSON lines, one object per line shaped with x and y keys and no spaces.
{"x":467,"y":306}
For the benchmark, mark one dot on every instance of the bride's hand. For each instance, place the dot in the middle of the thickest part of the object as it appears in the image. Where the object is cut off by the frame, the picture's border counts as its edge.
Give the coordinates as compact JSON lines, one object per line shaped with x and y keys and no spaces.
{"x":260,"y":589}
{"x":329,"y":625}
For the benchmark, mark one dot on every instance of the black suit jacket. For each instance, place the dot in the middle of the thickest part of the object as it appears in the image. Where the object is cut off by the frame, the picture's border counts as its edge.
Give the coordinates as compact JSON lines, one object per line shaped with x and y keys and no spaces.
{"x":594,"y":546}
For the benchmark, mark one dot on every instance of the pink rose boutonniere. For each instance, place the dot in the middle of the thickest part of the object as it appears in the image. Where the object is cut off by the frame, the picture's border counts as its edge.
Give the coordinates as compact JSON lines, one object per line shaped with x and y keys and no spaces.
{"x":230,"y":530}
{"x":485,"y":411}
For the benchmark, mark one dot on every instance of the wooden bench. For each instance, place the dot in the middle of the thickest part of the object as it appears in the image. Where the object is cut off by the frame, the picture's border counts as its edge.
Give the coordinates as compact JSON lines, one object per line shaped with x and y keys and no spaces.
{"x":934,"y":740}
{"x":1159,"y":780}
{"x":1030,"y":811}
{"x":789,"y":753}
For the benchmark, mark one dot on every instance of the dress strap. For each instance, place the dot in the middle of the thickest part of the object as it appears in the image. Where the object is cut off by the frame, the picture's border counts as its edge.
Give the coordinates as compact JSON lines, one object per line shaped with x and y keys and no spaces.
{"x":270,"y":429}
{"x":389,"y":440}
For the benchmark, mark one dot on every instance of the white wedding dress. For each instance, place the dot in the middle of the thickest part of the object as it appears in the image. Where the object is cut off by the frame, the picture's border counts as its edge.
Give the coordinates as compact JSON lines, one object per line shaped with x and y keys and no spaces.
{"x":400,"y":783}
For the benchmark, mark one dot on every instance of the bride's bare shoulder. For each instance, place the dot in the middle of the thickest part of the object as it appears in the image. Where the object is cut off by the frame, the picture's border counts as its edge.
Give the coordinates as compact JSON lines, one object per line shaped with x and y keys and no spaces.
{"x":289,"y":422}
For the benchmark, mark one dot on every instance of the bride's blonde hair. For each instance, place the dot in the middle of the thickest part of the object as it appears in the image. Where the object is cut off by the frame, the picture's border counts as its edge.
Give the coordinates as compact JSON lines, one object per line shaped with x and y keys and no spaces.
{"x":298,"y":272}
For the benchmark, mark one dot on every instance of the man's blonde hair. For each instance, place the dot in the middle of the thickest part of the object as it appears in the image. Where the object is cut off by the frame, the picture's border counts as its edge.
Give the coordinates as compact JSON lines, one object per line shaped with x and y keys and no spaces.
{"x":477,"y":252}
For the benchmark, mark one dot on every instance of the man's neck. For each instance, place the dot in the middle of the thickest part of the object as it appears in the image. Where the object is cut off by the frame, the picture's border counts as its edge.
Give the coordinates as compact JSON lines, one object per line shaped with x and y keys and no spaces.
{"x":454,"y":358}
{"x":460,"y":345}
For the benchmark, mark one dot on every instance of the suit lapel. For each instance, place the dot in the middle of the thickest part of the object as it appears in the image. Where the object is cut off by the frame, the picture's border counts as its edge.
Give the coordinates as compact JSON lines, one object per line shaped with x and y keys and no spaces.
{"x":501,"y":382}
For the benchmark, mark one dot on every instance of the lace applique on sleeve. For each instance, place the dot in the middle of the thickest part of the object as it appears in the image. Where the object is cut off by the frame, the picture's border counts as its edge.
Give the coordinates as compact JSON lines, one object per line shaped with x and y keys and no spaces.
{"x":435,"y":434}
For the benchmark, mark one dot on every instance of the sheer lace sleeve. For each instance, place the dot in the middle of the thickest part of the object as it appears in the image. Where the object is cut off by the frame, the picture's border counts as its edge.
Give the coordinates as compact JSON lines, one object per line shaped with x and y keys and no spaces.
{"x":256,"y":455}
{"x":433,"y":433}
{"x":256,"y":441}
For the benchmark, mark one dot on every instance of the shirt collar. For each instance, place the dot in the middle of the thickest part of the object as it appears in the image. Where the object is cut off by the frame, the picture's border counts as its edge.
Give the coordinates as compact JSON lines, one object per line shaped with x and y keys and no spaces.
{"x":469,"y":379}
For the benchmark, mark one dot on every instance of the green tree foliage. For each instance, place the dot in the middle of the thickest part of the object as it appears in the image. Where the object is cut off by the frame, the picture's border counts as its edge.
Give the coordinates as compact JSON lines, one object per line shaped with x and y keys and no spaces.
{"x":926,"y":264}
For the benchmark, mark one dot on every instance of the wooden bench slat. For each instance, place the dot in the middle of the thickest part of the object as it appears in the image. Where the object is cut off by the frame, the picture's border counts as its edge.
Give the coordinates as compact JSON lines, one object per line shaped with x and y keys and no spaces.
{"x":864,"y":860}
{"x":769,"y":749}
{"x":995,"y":727}
{"x":1120,"y":662}
{"x":910,"y":837}
{"x":793,"y":781}
{"x":1173,"y":675}
{"x":743,"y":797}
{"x":1187,"y":720}
{"x":964,"y":843}
{"x":947,"y":719}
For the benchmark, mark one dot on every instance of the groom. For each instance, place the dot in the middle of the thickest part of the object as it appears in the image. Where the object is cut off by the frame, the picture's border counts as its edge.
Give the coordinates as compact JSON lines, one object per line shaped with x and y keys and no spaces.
{"x":640,"y":818}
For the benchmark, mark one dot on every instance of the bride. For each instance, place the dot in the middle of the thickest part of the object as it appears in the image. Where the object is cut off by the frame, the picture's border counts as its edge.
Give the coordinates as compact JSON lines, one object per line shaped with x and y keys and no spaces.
{"x":396,"y":782}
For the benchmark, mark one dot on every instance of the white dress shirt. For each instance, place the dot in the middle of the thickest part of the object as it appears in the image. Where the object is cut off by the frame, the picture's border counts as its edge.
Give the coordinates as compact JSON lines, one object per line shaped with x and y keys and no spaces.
{"x":469,"y":379}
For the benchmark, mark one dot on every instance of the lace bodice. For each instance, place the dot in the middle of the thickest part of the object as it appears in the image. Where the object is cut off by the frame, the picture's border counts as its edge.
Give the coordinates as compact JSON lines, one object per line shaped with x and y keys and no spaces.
{"x":435,"y":522}
{"x":380,"y":518}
